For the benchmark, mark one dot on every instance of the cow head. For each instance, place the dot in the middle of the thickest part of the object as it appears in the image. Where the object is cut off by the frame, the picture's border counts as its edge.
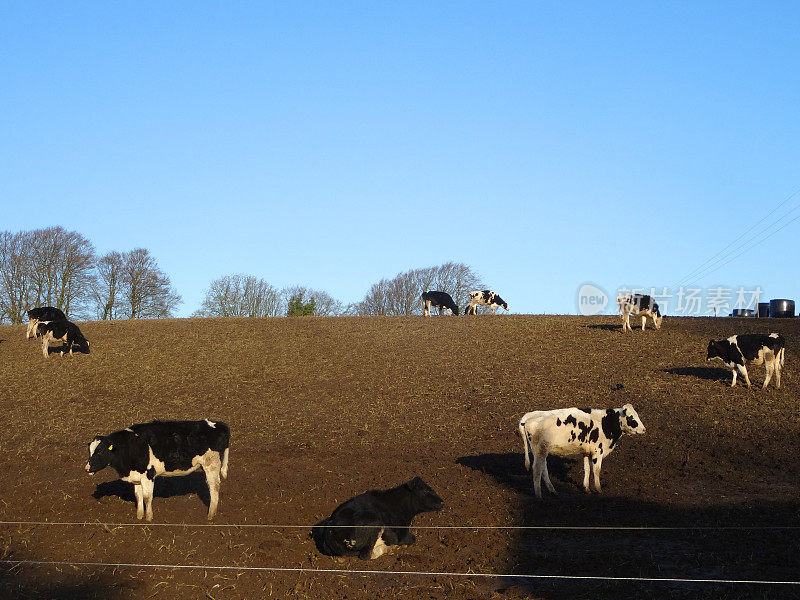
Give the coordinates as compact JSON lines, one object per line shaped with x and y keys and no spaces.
{"x":715,"y":350}
{"x":629,"y":420}
{"x":657,"y":316}
{"x":424,"y":498}
{"x":505,"y":305}
{"x":101,"y":454}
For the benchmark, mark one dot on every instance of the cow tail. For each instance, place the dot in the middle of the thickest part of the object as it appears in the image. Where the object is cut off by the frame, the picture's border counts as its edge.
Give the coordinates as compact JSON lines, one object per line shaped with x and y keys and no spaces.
{"x":782,"y":354}
{"x":224,"y":468}
{"x":525,"y":448}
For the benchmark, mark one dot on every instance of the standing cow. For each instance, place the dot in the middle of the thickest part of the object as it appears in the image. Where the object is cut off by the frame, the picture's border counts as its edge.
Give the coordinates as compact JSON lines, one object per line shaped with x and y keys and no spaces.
{"x":640,"y":305}
{"x":42,"y":314}
{"x":63,"y":331}
{"x":485,"y":298}
{"x":142,"y":452}
{"x":739,"y":350}
{"x":591,"y":433}
{"x":442,"y":300}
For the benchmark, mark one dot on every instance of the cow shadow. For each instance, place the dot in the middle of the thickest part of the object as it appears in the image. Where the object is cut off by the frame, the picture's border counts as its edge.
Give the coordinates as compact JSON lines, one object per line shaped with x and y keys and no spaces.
{"x":163,"y":487}
{"x":605,"y":327}
{"x":65,"y":349}
{"x":592,"y":546}
{"x":508,"y":468}
{"x":708,"y":373}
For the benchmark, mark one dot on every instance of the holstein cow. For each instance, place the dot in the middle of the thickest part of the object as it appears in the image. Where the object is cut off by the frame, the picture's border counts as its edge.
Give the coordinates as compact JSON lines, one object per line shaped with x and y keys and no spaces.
{"x":641,"y":305}
{"x":442,"y":300}
{"x":142,"y":452}
{"x":64,"y":331}
{"x":485,"y":298}
{"x":591,"y":433}
{"x":366,"y":525}
{"x":755,"y":348}
{"x":42,"y":314}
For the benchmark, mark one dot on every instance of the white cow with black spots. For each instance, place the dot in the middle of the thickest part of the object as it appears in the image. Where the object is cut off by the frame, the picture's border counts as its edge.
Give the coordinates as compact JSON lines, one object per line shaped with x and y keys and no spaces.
{"x":484,"y":298}
{"x":591,"y":433}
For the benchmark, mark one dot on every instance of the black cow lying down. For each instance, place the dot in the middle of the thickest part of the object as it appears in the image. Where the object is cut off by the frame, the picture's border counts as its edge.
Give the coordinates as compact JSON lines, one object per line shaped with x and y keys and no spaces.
{"x":365,"y":525}
{"x":142,"y":452}
{"x":64,"y":331}
{"x":42,"y":314}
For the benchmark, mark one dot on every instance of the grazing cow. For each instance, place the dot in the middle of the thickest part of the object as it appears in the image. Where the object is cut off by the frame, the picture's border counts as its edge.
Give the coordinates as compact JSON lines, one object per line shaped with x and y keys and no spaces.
{"x":591,"y":433}
{"x":755,"y":348}
{"x":442,"y":300}
{"x":641,"y":305}
{"x":485,"y":298}
{"x":64,"y":331}
{"x":142,"y":452}
{"x":42,"y":314}
{"x":366,"y":525}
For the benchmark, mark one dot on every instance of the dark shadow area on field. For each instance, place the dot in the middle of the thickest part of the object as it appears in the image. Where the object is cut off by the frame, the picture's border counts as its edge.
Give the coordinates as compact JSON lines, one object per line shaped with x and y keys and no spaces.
{"x":60,"y":582}
{"x":164,"y":487}
{"x":695,"y":553}
{"x":709,"y":373}
{"x":65,"y":349}
{"x":605,"y":327}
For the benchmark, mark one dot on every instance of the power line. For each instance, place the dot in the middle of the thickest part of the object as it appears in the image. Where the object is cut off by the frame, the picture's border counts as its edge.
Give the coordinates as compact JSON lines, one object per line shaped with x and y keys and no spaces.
{"x":58,"y":563}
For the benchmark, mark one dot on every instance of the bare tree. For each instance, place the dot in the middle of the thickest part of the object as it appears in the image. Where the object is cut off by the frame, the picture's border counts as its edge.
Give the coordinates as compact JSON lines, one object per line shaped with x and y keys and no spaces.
{"x":16,"y":274}
{"x":240,"y":296}
{"x":146,"y":290}
{"x":325,"y":305}
{"x":63,"y":269}
{"x":401,"y":295}
{"x":106,"y":288}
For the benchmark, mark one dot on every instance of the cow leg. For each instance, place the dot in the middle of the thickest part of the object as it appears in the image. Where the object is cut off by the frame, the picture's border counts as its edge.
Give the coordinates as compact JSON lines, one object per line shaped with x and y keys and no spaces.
{"x":644,"y":321}
{"x":137,"y":490}
{"x":46,"y":345}
{"x":626,"y":320}
{"x":743,"y":372}
{"x":147,"y":495}
{"x":212,"y":469}
{"x":374,"y":546}
{"x":733,"y":383}
{"x":493,"y":307}
{"x":538,"y":462}
{"x":777,"y":364}
{"x":597,"y":461}
{"x":769,"y":365}
{"x":426,"y":306}
{"x":547,"y":481}
{"x":586,"y":471}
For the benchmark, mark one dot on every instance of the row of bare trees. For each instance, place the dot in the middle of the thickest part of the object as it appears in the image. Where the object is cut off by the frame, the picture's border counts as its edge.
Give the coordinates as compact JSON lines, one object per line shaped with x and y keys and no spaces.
{"x":249,"y":296}
{"x":56,"y":267}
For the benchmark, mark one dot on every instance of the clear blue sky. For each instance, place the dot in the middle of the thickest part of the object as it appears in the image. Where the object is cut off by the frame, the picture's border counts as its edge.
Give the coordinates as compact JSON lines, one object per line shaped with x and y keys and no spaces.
{"x":332,"y":144}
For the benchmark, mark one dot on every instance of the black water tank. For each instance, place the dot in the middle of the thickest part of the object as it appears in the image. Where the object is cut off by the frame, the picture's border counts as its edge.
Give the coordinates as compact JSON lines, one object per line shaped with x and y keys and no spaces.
{"x":763,"y":309}
{"x":743,"y":312}
{"x":781,"y":308}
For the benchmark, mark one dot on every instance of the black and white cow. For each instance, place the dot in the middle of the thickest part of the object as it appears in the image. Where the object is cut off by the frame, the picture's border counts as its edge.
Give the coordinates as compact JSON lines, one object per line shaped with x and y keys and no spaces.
{"x":640,"y":305}
{"x":755,"y":348}
{"x":42,"y":314}
{"x":64,"y":331}
{"x":485,"y":298}
{"x":442,"y":300}
{"x":142,"y":452}
{"x":591,"y":433}
{"x":367,"y":524}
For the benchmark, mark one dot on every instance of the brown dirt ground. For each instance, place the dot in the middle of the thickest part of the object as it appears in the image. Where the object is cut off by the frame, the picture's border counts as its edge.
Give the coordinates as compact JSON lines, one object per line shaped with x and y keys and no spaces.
{"x":322,"y":409}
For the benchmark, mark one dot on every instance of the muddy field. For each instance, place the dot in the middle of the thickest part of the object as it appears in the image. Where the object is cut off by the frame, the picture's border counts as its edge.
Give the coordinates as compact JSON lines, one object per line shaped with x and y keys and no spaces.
{"x":321,"y":409}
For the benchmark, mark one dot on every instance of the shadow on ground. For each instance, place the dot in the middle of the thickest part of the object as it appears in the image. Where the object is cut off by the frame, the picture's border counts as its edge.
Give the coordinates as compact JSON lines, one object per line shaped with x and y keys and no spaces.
{"x":164,"y":487}
{"x":696,"y":552}
{"x":709,"y":373}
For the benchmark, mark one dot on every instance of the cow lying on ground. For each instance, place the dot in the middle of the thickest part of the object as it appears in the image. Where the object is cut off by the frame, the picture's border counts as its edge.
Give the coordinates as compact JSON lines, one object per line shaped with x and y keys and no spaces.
{"x":64,"y":331}
{"x":591,"y":433}
{"x":366,"y":525}
{"x":42,"y":314}
{"x":485,"y":298}
{"x":442,"y":300}
{"x":755,"y":348}
{"x":142,"y":452}
{"x":640,"y":305}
